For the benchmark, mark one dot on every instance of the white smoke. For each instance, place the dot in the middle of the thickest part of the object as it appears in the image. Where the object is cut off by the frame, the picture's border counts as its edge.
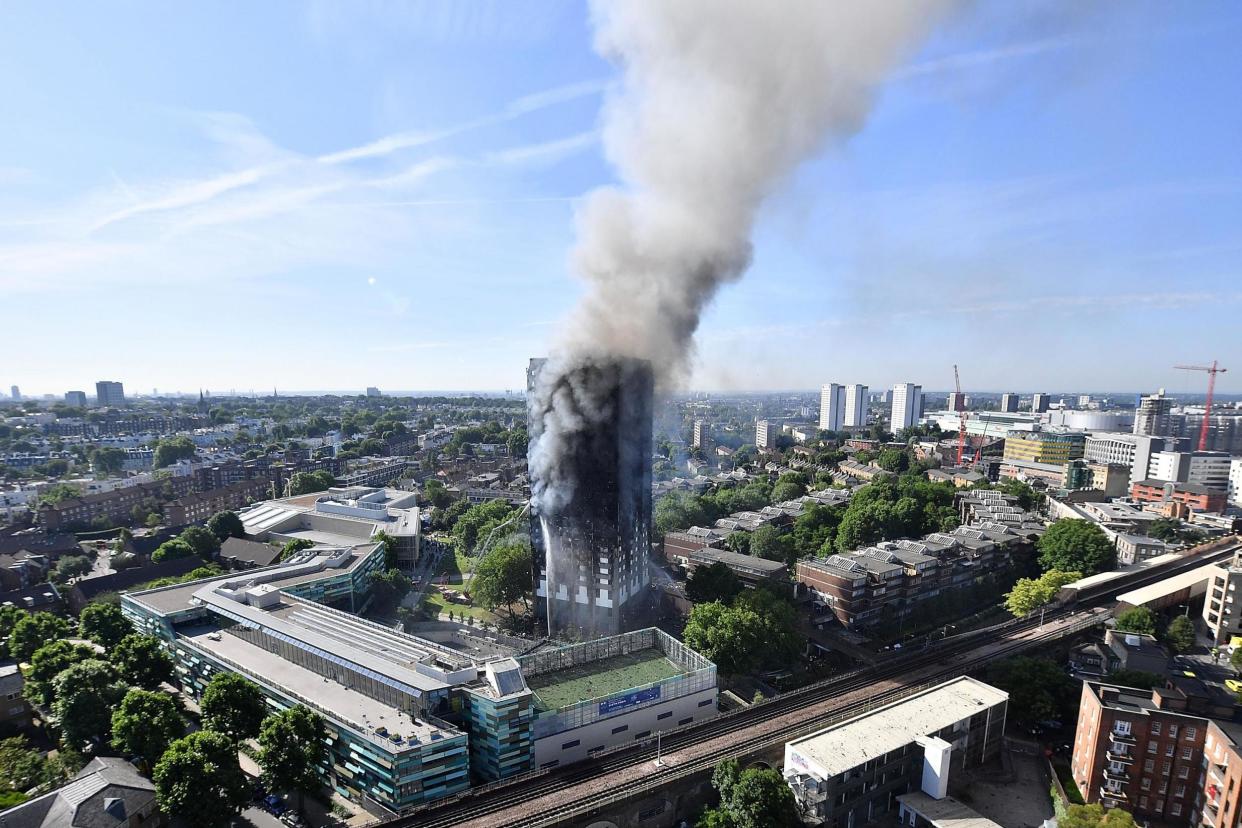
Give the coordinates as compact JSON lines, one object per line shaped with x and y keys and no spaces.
{"x":719,"y":101}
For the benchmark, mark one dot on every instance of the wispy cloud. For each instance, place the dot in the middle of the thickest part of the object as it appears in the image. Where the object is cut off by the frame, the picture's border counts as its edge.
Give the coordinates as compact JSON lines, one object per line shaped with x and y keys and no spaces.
{"x":546,"y":151}
{"x":985,"y":58}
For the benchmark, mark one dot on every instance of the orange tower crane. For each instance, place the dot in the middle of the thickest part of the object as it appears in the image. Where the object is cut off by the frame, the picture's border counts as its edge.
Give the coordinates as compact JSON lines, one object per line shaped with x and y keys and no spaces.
{"x":960,"y":403}
{"x":1211,"y":370}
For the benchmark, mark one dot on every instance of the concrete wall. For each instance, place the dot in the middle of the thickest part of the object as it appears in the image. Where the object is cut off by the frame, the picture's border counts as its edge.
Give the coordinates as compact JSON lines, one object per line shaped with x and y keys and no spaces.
{"x":581,"y":740}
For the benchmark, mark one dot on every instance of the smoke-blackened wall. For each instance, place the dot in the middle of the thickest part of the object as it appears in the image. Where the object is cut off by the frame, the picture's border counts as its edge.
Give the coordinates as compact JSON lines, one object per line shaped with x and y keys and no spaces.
{"x":592,"y":498}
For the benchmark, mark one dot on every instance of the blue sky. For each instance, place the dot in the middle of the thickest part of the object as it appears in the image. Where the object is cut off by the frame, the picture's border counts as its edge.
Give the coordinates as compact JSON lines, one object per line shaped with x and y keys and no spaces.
{"x":330,"y":195}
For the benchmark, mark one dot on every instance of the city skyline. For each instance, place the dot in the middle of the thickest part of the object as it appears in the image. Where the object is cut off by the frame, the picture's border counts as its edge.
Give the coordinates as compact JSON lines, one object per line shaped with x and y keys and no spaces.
{"x":424,"y":198}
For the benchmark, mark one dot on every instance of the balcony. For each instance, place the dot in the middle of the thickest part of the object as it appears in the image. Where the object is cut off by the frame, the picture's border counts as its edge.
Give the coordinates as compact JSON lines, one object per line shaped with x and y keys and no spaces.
{"x":1122,"y":738}
{"x":1116,"y":756}
{"x":1113,"y":796}
{"x":1116,"y":776}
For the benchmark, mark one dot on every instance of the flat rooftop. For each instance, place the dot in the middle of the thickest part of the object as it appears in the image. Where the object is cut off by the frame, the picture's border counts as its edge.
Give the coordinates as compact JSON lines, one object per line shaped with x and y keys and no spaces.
{"x":1199,"y":576}
{"x":604,"y":677}
{"x":853,"y":742}
{"x":947,"y":812}
{"x":361,"y":712}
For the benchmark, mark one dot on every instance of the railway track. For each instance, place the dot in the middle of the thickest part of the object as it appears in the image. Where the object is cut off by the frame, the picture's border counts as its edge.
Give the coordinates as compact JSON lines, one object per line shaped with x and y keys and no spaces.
{"x":496,"y":799}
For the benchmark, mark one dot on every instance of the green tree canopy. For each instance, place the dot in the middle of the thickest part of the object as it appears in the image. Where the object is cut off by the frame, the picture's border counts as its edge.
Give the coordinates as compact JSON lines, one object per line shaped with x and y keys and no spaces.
{"x":172,"y":449}
{"x":146,"y":723}
{"x":171,"y":550}
{"x":387,"y":589}
{"x":436,"y":494}
{"x":306,"y":482}
{"x":1029,"y":594}
{"x":770,"y":543}
{"x":35,"y":630}
{"x":85,"y":694}
{"x":48,"y":662}
{"x":1235,"y":659}
{"x":233,"y":706}
{"x":199,"y":780}
{"x":756,"y":630}
{"x":104,"y":624}
{"x":1137,"y":620}
{"x":790,"y":486}
{"x":291,"y":749}
{"x":1135,"y":678}
{"x":713,"y":582}
{"x":9,"y":616}
{"x":1078,"y":545}
{"x":225,"y":525}
{"x":23,"y":768}
{"x":751,"y":798}
{"x":1038,"y":689}
{"x":202,"y":540}
{"x":70,"y":566}
{"x":1095,"y":816}
{"x":503,"y":577}
{"x":142,"y":661}
{"x":1180,"y":634}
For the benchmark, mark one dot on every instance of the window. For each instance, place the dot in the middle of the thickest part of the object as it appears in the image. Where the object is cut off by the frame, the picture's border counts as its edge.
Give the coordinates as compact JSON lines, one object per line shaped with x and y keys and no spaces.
{"x":1149,"y":765}
{"x":1175,"y":809}
{"x":1166,"y":768}
{"x":685,"y":721}
{"x":1146,"y":784}
{"x":572,"y":744}
{"x":706,"y":702}
{"x":1155,"y":728}
{"x":1183,"y":772}
{"x":1191,"y":732}
{"x":620,"y":729}
{"x":1187,"y":753}
{"x":664,"y":715}
{"x":1152,"y":747}
{"x":1143,"y":802}
{"x":1173,"y":730}
{"x":1169,"y":748}
{"x":1179,"y":791}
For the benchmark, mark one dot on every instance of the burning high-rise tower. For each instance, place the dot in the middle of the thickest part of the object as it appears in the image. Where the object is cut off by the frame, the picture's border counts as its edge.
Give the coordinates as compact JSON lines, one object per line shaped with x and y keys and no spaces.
{"x":591,"y":510}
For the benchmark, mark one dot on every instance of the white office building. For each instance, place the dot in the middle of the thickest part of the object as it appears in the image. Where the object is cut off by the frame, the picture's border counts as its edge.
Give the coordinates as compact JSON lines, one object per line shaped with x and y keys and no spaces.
{"x":1009,"y":403}
{"x":1209,"y":469}
{"x":907,"y":406}
{"x":855,"y":405}
{"x":1133,"y":450}
{"x":1039,"y":403}
{"x":1235,"y":481}
{"x":832,"y":407}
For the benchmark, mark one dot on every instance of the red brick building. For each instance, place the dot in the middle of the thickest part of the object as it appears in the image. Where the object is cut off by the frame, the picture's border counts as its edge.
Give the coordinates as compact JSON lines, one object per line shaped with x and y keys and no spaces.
{"x":1197,"y":497}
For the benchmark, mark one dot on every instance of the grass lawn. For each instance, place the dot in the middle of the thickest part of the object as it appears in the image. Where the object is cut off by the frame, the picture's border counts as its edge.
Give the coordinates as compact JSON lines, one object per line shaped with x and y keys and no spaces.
{"x":434,"y":603}
{"x":452,"y":566}
{"x":1066,"y":777}
{"x":601,"y":678}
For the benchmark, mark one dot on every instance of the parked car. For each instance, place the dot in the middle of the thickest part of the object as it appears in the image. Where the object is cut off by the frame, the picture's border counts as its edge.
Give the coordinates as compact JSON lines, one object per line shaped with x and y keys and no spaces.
{"x":293,"y":819}
{"x":273,"y":804}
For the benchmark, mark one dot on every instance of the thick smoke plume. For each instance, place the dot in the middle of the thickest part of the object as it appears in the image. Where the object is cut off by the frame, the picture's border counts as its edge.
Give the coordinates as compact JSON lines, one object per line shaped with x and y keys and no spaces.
{"x":719,"y":101}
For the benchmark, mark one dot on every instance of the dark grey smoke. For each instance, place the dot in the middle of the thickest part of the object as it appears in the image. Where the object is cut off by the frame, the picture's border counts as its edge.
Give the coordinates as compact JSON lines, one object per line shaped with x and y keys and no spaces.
{"x":719,"y":100}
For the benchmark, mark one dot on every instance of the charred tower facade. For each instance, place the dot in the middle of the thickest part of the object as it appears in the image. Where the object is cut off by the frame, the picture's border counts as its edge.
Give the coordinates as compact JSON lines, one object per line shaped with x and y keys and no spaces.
{"x":590,"y":520}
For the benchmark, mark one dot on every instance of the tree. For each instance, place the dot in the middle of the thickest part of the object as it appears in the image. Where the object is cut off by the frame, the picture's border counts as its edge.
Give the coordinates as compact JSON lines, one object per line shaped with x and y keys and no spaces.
{"x":33,"y":631}
{"x":70,"y":566}
{"x":388,"y":588}
{"x":171,"y":550}
{"x":23,"y":768}
{"x":1235,"y":659}
{"x":291,"y":749}
{"x":233,"y":706}
{"x":295,"y":546}
{"x":676,"y":512}
{"x":225,"y":525}
{"x":200,"y":780}
{"x":204,"y":543}
{"x":1180,"y":634}
{"x":171,"y":450}
{"x":108,"y":460}
{"x":85,"y":694}
{"x":307,"y":482}
{"x":738,"y":542}
{"x":768,"y":542}
{"x":436,"y":494}
{"x":503,"y":577}
{"x":1029,"y":594}
{"x":1095,"y":816}
{"x":146,"y":723}
{"x":1038,"y":689}
{"x":517,"y":442}
{"x":1137,"y":620}
{"x":1080,"y":545}
{"x":142,"y":661}
{"x":751,"y":798}
{"x":790,"y":486}
{"x":894,"y":460}
{"x":726,"y":636}
{"x":48,"y":662}
{"x":714,"y":582}
{"x":390,"y":548}
{"x":9,"y":616}
{"x":104,"y":624}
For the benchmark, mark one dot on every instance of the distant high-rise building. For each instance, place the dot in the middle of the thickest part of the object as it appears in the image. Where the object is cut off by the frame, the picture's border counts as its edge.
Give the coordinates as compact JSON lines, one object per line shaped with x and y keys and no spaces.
{"x":1039,"y":403}
{"x":110,"y":393}
{"x":17,"y":392}
{"x":855,"y":406}
{"x":765,"y":434}
{"x":75,"y":398}
{"x":1009,"y":402}
{"x":1209,"y":469}
{"x":832,"y":407}
{"x":372,"y":391}
{"x":1133,"y":450}
{"x":957,"y":401}
{"x":1152,"y":416}
{"x":907,"y":405}
{"x":702,"y":434}
{"x":1084,"y":400}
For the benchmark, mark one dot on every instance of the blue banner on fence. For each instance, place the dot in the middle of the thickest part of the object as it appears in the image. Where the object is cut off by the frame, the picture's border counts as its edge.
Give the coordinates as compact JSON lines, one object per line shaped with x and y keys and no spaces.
{"x":628,"y":700}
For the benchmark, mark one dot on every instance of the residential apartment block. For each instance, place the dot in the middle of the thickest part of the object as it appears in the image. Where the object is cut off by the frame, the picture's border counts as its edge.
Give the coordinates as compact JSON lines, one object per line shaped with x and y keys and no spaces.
{"x":854,"y":772}
{"x":1009,"y":403}
{"x":855,"y":406}
{"x":1189,"y":495}
{"x":832,"y":407}
{"x":907,"y":406}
